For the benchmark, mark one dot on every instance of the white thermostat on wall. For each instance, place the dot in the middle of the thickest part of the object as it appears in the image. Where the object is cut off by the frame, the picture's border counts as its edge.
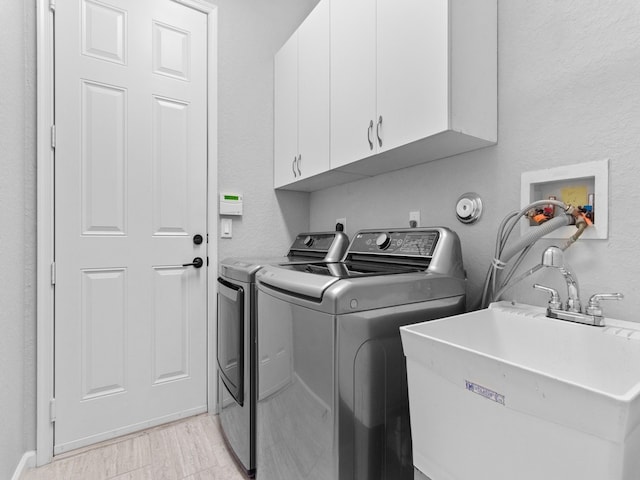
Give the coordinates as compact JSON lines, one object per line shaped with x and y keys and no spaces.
{"x":230,"y":204}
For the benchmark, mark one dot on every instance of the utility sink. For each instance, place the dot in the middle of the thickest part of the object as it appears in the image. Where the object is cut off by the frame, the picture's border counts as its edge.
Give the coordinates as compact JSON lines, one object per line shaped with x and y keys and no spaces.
{"x":506,"y":393}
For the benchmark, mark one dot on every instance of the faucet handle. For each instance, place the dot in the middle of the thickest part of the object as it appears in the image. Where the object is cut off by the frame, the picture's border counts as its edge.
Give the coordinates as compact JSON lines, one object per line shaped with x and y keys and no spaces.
{"x":554,"y":301}
{"x":594,"y":308}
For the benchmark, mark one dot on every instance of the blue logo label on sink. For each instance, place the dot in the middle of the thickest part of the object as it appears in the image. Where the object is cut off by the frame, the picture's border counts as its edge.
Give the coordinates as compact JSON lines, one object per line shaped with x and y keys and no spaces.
{"x":485,"y":392}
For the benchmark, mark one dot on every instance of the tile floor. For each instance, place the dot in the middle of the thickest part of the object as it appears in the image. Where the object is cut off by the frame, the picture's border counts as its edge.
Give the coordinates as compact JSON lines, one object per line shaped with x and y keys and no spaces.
{"x":189,"y":449}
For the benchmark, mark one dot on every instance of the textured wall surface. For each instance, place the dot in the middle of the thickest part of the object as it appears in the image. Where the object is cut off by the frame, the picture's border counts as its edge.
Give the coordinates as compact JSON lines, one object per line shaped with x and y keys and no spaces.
{"x":251,"y":32}
{"x":569,"y":92}
{"x":17,"y":233}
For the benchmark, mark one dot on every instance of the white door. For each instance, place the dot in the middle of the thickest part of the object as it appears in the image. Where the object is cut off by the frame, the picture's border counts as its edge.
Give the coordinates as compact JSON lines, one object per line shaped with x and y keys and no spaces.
{"x":130,"y":193}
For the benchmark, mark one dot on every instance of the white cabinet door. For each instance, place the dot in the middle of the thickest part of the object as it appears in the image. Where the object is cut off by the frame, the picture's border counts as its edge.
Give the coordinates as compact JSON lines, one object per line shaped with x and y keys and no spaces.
{"x":286,"y":113}
{"x":313,"y":92}
{"x":389,"y":62}
{"x":302,"y":101}
{"x":353,"y":80}
{"x":412,"y":70}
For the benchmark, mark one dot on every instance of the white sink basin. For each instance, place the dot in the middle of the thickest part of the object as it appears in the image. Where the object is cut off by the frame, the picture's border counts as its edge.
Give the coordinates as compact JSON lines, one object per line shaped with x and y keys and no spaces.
{"x":508,"y":394}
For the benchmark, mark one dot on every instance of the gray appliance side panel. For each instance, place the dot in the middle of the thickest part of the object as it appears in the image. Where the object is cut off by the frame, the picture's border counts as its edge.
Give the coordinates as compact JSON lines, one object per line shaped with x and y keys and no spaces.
{"x":236,"y":421}
{"x":376,"y":292}
{"x":374,"y":435}
{"x":296,"y":391}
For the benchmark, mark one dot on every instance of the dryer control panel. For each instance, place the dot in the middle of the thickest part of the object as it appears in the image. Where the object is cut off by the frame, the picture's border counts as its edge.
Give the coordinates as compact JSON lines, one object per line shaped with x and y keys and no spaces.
{"x":327,"y":246}
{"x":404,"y":242}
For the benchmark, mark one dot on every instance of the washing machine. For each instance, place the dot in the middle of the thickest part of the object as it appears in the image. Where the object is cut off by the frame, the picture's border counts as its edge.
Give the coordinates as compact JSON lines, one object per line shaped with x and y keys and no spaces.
{"x":332,"y":383}
{"x":236,"y":336}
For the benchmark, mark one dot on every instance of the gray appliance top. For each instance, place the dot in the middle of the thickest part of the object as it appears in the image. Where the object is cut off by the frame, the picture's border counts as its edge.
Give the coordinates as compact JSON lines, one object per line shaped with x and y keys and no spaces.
{"x":307,"y":247}
{"x":381,"y":268}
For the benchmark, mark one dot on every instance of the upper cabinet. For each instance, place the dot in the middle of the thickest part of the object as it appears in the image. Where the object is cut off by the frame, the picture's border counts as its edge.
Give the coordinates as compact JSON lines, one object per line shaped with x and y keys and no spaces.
{"x":412,"y":70}
{"x":353,"y":81}
{"x":410,"y":81}
{"x":302,"y":101}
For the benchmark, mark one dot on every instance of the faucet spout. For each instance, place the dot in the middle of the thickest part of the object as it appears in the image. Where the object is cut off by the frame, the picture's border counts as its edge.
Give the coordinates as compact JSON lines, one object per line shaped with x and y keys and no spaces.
{"x":554,"y":257}
{"x":573,"y":291}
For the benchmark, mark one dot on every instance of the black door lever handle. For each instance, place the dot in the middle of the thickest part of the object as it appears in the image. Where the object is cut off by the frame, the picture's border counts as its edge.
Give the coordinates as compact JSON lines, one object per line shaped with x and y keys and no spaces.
{"x":197,"y":262}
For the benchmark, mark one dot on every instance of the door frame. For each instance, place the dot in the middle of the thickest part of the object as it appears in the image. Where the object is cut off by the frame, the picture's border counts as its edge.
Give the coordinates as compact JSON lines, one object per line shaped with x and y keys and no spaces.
{"x":45,"y":298}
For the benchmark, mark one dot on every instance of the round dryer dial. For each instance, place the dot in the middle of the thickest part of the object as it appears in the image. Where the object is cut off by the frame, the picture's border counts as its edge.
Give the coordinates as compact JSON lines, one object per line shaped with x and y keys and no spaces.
{"x":383,"y":241}
{"x":308,"y":241}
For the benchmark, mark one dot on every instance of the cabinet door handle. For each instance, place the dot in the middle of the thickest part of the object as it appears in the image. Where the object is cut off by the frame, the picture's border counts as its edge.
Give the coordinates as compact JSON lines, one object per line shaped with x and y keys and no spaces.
{"x":378,"y":129}
{"x":298,"y":163}
{"x":369,"y":130}
{"x":293,"y":166}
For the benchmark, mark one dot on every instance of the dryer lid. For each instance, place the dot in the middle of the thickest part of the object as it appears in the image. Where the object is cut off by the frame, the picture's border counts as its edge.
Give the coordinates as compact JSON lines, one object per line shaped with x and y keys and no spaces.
{"x":292,"y":281}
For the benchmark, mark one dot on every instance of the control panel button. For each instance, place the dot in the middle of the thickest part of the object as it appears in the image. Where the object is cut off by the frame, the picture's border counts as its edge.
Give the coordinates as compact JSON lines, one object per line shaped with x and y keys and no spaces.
{"x":308,"y":241}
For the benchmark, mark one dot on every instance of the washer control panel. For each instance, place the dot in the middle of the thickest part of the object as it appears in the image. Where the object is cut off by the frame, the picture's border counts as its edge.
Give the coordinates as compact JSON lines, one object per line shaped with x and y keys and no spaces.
{"x":408,"y":243}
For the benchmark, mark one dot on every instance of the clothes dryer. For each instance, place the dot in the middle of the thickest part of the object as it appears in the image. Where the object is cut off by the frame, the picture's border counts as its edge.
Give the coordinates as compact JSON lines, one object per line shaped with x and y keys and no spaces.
{"x":236,"y":336}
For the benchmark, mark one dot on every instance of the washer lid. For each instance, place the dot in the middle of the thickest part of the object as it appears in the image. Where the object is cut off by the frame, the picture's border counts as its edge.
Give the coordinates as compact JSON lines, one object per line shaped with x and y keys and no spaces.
{"x":296,"y":282}
{"x":307,"y":247}
{"x":351,"y":269}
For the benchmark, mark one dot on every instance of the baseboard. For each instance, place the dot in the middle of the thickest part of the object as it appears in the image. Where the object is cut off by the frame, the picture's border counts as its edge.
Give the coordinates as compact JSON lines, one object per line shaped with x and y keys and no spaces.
{"x":28,"y":460}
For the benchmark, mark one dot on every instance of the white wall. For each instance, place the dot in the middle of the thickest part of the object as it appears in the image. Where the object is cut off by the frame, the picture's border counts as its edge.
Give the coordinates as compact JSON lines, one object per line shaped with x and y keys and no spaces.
{"x":17,"y":233}
{"x":251,"y":31}
{"x":569,"y":92}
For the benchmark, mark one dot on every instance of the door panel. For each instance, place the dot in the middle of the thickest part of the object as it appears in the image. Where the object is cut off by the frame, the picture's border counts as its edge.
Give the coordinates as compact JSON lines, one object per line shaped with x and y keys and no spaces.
{"x":171,"y":324}
{"x":130,"y":193}
{"x":103,"y":31}
{"x":103,"y":342}
{"x":170,"y":166}
{"x":171,"y":53}
{"x":104,"y":159}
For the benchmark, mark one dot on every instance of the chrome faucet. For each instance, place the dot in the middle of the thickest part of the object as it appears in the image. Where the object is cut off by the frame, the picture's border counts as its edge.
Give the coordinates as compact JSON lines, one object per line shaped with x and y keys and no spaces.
{"x":554,"y":257}
{"x":593,"y":315}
